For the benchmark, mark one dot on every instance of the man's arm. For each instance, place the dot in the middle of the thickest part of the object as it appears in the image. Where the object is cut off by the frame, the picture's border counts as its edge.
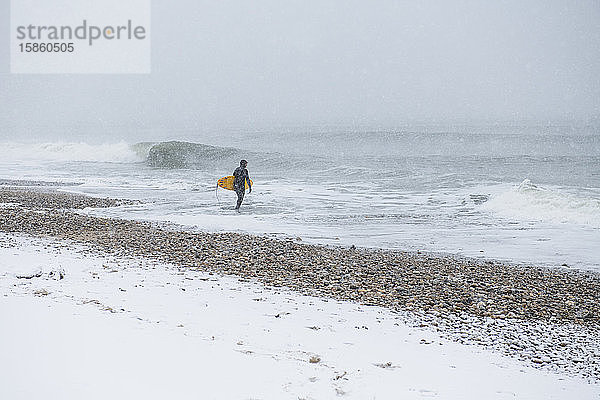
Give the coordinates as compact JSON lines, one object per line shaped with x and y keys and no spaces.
{"x":249,"y":183}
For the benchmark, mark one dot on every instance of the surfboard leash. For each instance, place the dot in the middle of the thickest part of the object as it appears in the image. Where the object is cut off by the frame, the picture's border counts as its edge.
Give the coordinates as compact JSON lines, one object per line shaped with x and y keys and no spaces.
{"x":217,"y":193}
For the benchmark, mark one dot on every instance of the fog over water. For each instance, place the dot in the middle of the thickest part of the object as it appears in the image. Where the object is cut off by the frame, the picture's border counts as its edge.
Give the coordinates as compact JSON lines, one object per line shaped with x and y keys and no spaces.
{"x":256,"y":64}
{"x":463,"y":127}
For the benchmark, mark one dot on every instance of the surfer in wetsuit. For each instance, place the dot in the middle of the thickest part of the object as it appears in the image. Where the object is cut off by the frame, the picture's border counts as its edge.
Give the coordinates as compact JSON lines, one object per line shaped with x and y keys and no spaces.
{"x":239,"y":182}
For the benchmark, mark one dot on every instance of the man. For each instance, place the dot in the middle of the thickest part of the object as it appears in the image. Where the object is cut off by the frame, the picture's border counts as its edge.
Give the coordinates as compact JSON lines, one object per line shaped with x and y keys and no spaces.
{"x":239,"y":182}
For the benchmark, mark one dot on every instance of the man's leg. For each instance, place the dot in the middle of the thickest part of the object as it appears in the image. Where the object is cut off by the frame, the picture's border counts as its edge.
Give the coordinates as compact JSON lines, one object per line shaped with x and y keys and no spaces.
{"x":240,"y":195}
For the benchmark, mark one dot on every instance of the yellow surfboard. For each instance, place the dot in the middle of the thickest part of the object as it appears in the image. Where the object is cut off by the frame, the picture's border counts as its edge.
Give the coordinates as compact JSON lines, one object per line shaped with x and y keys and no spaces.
{"x":226,"y":182}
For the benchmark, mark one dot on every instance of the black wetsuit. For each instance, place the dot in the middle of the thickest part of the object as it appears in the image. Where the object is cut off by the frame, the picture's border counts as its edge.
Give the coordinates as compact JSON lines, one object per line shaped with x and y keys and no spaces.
{"x":239,"y":184}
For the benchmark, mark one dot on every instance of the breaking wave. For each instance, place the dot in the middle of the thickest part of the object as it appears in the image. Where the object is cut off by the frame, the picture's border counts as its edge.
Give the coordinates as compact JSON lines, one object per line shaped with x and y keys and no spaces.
{"x":120,"y":152}
{"x":175,"y":155}
{"x":162,"y":155}
{"x":530,"y":202}
{"x":188,"y":155}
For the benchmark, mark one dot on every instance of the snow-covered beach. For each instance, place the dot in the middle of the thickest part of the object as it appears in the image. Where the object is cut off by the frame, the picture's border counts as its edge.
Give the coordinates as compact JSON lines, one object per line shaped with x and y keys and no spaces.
{"x":130,"y":328}
{"x":81,"y":322}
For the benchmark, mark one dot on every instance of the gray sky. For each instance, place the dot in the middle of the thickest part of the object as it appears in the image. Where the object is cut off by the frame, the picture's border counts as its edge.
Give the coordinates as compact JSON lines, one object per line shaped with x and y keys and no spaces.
{"x":264,"y":63}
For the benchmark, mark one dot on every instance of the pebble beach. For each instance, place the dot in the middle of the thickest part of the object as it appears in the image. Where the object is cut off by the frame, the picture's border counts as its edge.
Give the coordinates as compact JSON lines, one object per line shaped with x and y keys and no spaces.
{"x":548,"y":317}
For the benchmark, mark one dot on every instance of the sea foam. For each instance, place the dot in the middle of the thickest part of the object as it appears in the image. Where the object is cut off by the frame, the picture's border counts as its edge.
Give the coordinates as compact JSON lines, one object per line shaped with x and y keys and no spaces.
{"x":527,"y":201}
{"x":119,"y":152}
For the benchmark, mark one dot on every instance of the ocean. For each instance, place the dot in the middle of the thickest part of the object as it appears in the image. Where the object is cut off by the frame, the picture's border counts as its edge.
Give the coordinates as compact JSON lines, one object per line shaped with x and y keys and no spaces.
{"x":522,"y":194}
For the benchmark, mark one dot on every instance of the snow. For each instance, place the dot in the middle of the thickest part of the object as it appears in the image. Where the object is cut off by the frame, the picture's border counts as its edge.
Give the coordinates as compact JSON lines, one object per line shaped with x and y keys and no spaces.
{"x":136,"y":328}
